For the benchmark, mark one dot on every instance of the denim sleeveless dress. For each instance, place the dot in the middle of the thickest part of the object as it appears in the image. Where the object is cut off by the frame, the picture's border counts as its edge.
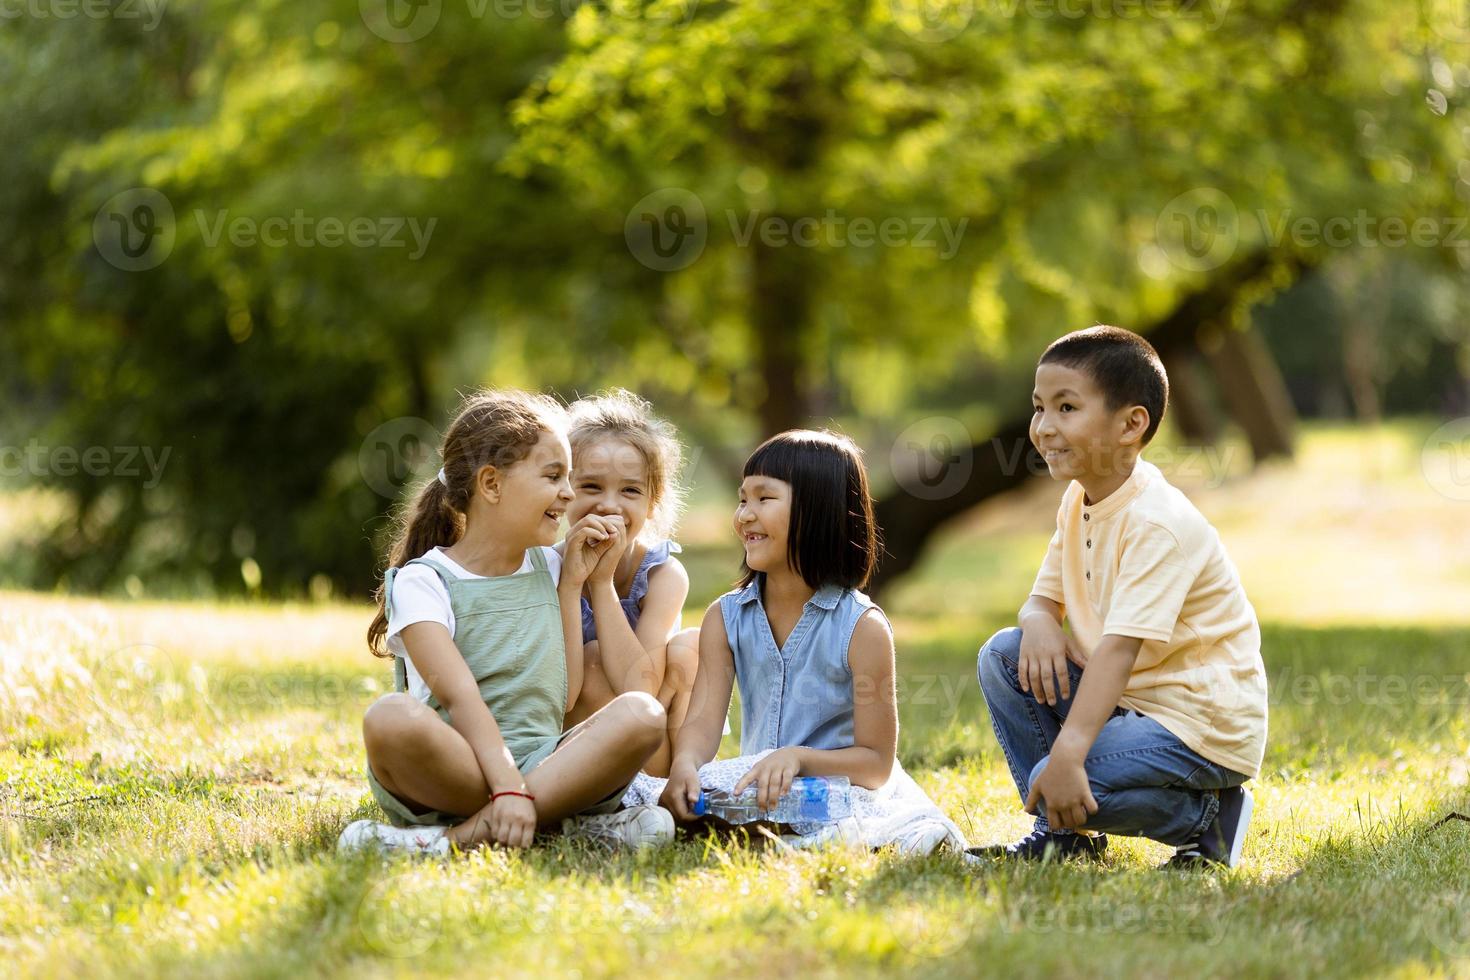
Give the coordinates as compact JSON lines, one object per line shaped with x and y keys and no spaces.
{"x":654,"y":557}
{"x":800,"y":693}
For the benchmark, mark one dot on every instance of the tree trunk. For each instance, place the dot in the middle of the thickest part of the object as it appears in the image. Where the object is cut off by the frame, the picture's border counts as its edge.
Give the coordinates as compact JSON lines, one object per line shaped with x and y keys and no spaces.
{"x":1363,"y":291}
{"x":1253,"y":391}
{"x":780,"y":310}
{"x":1193,"y":415}
{"x":909,"y":522}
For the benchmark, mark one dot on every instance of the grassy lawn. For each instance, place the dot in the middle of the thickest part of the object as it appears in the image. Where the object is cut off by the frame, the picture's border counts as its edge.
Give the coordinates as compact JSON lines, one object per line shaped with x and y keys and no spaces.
{"x":173,"y":778}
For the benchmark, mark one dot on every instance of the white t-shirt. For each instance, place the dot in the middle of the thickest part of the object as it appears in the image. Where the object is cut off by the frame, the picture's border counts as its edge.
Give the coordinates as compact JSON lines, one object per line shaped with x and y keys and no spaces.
{"x":419,"y":596}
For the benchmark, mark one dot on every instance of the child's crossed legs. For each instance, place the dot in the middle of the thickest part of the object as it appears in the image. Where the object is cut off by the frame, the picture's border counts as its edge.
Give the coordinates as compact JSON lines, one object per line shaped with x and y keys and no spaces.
{"x":428,"y":765}
{"x":681,"y":661}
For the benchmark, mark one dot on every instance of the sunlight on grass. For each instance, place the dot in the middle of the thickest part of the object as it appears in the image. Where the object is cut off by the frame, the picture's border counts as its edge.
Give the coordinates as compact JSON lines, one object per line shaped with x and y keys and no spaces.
{"x":173,"y":778}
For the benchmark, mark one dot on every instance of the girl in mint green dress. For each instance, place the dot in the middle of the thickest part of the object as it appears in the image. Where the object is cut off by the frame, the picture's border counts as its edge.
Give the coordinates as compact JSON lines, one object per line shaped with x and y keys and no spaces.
{"x":483,"y":620}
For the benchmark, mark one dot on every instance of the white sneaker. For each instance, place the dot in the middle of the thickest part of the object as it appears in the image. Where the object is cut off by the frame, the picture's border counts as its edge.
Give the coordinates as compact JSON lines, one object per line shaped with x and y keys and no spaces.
{"x":637,"y":827}
{"x":924,"y":837}
{"x":369,"y":835}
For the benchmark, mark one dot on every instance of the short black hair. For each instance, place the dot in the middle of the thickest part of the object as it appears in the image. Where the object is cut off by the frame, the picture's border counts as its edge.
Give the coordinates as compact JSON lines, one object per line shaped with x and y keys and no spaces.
{"x":1123,"y":365}
{"x":833,"y":538}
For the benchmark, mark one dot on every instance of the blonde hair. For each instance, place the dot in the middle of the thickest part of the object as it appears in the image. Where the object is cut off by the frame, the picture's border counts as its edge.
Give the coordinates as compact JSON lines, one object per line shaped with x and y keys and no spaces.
{"x":620,"y":414}
{"x":491,"y":428}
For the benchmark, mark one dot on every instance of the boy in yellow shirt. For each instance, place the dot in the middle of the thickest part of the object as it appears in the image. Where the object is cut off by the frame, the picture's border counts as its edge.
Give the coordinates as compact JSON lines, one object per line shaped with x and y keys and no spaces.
{"x":1155,"y":737}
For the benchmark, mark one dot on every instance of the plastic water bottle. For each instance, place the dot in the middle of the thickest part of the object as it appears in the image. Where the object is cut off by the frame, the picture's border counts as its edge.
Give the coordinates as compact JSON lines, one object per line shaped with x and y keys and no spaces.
{"x":811,"y":799}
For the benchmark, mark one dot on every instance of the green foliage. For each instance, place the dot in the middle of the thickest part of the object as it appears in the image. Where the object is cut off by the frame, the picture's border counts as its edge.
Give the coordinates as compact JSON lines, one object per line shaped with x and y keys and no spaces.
{"x":1051,"y":146}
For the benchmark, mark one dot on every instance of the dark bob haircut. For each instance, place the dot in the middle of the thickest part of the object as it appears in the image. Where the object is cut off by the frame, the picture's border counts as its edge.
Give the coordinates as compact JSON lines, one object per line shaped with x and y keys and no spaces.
{"x":833,"y":538}
{"x":1124,"y":366}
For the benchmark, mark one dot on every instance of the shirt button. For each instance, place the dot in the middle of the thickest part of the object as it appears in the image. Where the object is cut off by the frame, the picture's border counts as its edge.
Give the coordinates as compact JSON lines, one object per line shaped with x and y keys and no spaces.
{"x":1087,"y":517}
{"x":1089,"y":544}
{"x":1089,"y":576}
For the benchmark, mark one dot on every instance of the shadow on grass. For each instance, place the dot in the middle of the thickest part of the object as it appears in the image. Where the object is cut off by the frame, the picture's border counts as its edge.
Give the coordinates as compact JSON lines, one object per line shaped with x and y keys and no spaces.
{"x":1390,"y":898}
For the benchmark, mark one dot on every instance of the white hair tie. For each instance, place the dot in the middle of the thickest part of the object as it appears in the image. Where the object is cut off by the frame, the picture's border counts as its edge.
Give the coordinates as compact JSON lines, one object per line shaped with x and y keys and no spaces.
{"x":442,"y":478}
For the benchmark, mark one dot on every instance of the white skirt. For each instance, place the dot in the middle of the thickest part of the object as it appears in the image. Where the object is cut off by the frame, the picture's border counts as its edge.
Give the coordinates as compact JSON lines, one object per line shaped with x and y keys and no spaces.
{"x":899,"y":812}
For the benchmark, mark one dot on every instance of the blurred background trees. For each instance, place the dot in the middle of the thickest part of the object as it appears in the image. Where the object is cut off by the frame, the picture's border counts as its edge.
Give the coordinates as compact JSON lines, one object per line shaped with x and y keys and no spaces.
{"x":672,"y":196}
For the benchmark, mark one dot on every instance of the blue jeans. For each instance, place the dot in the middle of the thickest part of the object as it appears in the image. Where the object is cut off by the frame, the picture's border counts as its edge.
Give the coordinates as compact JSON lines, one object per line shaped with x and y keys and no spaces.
{"x":1147,"y":782}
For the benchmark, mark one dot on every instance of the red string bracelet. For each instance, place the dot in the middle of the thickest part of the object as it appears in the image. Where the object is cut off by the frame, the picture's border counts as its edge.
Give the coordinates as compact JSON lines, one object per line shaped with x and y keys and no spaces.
{"x":511,"y":792}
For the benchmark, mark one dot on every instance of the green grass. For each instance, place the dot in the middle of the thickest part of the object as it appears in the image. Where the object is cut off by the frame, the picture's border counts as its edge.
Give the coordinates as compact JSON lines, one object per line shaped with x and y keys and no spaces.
{"x":173,"y":778}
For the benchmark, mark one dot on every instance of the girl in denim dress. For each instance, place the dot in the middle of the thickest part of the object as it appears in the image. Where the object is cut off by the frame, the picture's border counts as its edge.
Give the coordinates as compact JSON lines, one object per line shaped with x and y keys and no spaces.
{"x":813,"y":655}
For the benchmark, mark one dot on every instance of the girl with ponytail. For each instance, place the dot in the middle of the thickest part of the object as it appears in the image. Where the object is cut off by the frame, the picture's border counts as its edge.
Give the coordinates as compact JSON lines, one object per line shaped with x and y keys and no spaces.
{"x":482,"y":618}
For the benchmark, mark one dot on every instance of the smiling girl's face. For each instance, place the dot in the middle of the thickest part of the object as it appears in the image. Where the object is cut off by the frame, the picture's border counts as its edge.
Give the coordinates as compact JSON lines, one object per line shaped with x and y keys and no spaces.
{"x":762,"y":520}
{"x":610,"y":479}
{"x":535,"y":492}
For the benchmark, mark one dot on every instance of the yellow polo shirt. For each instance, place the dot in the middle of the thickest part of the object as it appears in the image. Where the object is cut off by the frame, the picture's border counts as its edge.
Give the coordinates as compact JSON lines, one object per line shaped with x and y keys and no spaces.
{"x":1143,"y":562}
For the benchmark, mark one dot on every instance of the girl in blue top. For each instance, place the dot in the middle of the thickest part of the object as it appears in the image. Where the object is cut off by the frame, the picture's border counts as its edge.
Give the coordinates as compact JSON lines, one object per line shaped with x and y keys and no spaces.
{"x":814,"y":656}
{"x":625,"y":472}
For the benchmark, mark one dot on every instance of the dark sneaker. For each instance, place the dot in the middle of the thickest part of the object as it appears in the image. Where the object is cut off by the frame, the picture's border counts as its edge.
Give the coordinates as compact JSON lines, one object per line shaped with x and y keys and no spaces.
{"x":1219,"y":845}
{"x":1042,"y":844}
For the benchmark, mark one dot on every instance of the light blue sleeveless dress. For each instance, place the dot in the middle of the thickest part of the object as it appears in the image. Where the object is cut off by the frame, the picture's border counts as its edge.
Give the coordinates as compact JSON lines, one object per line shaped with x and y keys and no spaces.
{"x":800,"y":693}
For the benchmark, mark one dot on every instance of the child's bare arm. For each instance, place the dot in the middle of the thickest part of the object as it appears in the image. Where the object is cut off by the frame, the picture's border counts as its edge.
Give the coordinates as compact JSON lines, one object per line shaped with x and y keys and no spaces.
{"x":634,"y":660}
{"x":1063,"y":784}
{"x":585,"y":545}
{"x":698,"y":739}
{"x":443,"y":668}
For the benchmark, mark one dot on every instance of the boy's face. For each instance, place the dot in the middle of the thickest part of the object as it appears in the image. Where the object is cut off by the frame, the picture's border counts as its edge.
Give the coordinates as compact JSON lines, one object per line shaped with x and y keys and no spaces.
{"x":1073,"y":428}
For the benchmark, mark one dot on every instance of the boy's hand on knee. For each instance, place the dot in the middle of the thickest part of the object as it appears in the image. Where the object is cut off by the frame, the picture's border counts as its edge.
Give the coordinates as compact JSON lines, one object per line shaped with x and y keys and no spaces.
{"x":1064,"y":788}
{"x":1042,"y":666}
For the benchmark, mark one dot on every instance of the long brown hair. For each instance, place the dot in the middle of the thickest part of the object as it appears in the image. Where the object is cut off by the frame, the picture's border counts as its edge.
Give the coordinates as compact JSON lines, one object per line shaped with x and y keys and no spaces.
{"x":492,"y":428}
